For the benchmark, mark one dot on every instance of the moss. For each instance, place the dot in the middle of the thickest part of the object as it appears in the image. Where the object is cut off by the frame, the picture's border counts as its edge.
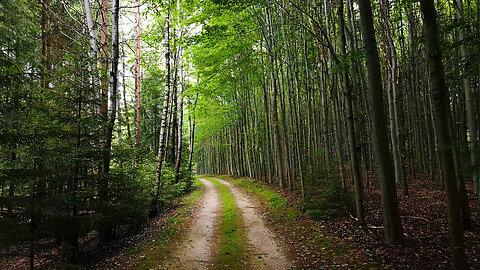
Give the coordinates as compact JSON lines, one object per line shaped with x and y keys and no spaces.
{"x":270,"y":197}
{"x":323,"y":242}
{"x":279,"y":211}
{"x":232,"y":251}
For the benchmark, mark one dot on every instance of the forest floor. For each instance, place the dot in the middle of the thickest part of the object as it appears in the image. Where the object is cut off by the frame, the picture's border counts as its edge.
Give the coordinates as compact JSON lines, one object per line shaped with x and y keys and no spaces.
{"x":223,"y":230}
{"x":240,"y":223}
{"x":342,"y":244}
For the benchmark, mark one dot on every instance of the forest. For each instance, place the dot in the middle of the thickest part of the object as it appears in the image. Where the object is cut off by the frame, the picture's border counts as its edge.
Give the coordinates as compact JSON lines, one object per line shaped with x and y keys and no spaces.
{"x":236,"y":134}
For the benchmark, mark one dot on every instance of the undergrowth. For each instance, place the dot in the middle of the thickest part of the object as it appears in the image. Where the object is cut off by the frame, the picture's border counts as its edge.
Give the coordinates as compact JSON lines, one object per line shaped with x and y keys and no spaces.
{"x":149,"y":255}
{"x":332,"y":202}
{"x":270,"y":197}
{"x":326,"y":198}
{"x":280,"y":212}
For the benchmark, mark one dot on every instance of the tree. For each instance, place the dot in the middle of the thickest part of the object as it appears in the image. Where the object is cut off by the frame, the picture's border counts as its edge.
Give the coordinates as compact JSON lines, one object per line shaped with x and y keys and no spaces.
{"x":386,"y":172}
{"x":163,"y":125}
{"x":138,"y":75}
{"x":441,"y":109}
{"x":180,"y":103}
{"x":354,"y":160}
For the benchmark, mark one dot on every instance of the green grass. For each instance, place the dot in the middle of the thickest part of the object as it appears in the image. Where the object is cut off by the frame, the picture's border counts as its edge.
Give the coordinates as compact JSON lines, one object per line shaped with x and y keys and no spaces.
{"x":279,"y":210}
{"x":232,"y":252}
{"x":149,"y":255}
{"x":270,"y":197}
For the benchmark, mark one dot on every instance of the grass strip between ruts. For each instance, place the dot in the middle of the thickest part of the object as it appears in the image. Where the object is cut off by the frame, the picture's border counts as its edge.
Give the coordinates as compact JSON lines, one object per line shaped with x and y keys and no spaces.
{"x":280,"y":212}
{"x":233,"y":251}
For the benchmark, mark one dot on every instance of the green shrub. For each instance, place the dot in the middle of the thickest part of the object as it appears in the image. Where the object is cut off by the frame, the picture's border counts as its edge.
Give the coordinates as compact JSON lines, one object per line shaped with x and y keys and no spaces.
{"x":332,"y":201}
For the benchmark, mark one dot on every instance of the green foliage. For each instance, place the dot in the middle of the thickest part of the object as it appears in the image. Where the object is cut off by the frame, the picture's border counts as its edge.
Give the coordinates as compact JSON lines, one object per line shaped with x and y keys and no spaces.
{"x":172,"y":190}
{"x":329,"y":202}
{"x":275,"y":200}
{"x":128,"y":203}
{"x":52,"y":138}
{"x":270,"y":197}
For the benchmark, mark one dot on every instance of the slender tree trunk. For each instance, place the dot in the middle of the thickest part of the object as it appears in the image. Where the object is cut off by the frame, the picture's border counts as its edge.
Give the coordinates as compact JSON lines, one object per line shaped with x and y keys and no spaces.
{"x":441,"y":111}
{"x":106,"y":233}
{"x":92,"y":33}
{"x":469,"y":98}
{"x":113,"y":83}
{"x":162,"y":148}
{"x":191,"y":132}
{"x":180,"y":106}
{"x":125,"y":105}
{"x":392,"y":99}
{"x":104,"y":60}
{"x":138,"y":75}
{"x":173,"y":129}
{"x":11,"y":197}
{"x":274,"y":113}
{"x":386,"y":170}
{"x":352,"y":142}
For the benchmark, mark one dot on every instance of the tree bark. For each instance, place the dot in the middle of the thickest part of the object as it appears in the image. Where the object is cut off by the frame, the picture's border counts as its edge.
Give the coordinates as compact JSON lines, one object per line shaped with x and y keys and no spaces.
{"x":469,"y":98}
{"x":92,"y":33}
{"x":162,"y":148}
{"x":352,"y":142}
{"x":191,"y":132}
{"x":441,"y":110}
{"x":386,"y":172}
{"x":113,"y":83}
{"x":138,"y":75}
{"x":104,"y":59}
{"x":392,"y":99}
{"x":180,"y":105}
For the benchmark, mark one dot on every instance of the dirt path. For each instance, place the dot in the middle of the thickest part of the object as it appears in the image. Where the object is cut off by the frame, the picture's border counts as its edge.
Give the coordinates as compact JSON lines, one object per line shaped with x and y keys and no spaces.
{"x":268,"y":253}
{"x":195,"y":251}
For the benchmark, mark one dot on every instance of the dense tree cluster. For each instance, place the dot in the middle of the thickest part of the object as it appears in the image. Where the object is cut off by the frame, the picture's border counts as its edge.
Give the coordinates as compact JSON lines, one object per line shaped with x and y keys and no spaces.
{"x":373,"y":89}
{"x":69,"y":167}
{"x":320,"y":97}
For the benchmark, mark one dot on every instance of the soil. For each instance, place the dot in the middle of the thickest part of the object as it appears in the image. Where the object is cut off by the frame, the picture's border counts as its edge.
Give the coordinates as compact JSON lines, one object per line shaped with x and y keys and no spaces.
{"x":195,"y":251}
{"x":268,"y":254}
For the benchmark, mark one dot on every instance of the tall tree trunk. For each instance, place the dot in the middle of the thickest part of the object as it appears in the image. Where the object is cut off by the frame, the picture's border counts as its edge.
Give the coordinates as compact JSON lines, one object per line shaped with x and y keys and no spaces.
{"x":125,"y":105}
{"x":92,"y":33}
{"x":180,"y":104}
{"x":106,"y":233}
{"x":386,"y":170}
{"x":172,"y":131}
{"x":191,"y":132}
{"x":469,"y":97}
{"x":352,"y":142}
{"x":104,"y":35}
{"x":138,"y":75}
{"x":441,"y":110}
{"x":281,"y":166}
{"x":113,"y":83}
{"x":392,"y":99}
{"x":162,"y":148}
